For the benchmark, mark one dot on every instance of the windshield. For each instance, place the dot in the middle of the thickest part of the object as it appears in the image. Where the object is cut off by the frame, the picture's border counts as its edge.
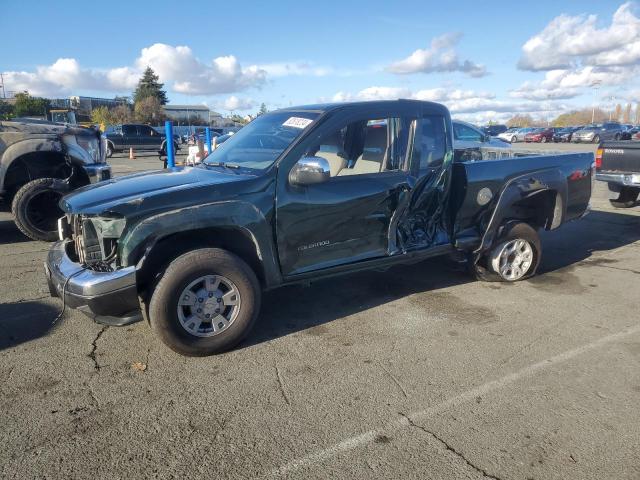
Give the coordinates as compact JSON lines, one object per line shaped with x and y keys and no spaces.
{"x":261,"y":142}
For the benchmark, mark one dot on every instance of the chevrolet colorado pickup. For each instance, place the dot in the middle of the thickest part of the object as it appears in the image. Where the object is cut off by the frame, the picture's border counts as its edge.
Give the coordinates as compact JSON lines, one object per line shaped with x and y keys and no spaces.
{"x":618,"y":164}
{"x":296,"y":195}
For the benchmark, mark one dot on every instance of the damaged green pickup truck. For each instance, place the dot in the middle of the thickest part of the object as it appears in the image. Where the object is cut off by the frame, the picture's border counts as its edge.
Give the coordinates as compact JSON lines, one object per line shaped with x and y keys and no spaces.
{"x":299,"y":194}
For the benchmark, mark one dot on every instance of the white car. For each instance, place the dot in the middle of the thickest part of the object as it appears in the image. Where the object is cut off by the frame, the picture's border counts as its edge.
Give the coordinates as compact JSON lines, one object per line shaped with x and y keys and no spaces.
{"x":514,"y":135}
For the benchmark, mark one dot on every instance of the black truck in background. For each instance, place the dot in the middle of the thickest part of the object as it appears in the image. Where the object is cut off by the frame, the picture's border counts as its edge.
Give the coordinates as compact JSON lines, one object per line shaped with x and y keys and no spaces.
{"x":618,"y":164}
{"x":137,"y":136}
{"x":296,"y":195}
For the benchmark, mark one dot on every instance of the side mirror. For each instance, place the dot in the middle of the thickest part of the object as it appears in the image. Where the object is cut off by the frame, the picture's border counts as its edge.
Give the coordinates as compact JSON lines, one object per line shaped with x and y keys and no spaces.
{"x":309,"y":171}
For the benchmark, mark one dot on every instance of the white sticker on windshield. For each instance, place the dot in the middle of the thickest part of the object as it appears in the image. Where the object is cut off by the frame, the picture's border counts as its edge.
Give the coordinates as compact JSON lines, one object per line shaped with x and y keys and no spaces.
{"x":297,"y":122}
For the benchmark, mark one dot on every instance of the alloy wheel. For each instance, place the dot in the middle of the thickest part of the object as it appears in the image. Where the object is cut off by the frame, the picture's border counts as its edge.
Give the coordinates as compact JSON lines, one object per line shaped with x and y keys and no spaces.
{"x":512,"y":259}
{"x":208,"y":305}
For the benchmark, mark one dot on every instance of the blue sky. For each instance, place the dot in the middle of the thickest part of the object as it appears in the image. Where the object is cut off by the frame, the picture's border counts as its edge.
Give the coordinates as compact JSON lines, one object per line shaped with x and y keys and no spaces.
{"x":486,"y":62}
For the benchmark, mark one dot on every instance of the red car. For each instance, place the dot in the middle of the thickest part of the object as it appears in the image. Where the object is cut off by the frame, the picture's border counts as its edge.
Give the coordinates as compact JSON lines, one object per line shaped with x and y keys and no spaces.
{"x":540,"y":135}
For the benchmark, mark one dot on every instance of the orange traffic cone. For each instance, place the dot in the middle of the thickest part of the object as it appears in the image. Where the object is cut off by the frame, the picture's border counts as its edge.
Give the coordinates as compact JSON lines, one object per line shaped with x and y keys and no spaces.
{"x":132,"y":155}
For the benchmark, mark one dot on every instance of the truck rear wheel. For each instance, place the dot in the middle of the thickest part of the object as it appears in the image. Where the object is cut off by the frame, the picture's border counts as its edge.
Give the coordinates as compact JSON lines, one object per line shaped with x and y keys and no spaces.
{"x":35,"y":208}
{"x":626,"y":199}
{"x":206,"y":302}
{"x":515,"y":256}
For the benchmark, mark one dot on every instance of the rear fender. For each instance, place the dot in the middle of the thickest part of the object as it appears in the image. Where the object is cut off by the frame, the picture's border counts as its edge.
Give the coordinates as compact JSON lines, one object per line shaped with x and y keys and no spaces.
{"x":520,"y":189}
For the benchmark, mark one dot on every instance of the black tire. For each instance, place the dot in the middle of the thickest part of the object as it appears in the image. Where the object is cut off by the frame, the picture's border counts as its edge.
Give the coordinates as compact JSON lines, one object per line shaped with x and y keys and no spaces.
{"x":596,"y":139}
{"x":484,"y":269}
{"x":110,"y":149}
{"x":543,"y":140}
{"x":35,"y":208}
{"x":626,"y":199}
{"x":514,"y":139}
{"x":163,"y":307}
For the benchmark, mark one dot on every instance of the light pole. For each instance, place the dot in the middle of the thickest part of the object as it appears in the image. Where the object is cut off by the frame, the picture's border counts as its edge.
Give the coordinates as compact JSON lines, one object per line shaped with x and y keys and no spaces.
{"x":595,"y":85}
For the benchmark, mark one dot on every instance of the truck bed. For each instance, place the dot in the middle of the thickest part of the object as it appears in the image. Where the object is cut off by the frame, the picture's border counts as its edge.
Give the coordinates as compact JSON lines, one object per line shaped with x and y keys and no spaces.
{"x":569,"y":174}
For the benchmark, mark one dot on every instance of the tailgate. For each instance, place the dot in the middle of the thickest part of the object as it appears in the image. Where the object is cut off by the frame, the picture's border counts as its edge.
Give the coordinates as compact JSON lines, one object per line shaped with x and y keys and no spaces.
{"x":620,"y":157}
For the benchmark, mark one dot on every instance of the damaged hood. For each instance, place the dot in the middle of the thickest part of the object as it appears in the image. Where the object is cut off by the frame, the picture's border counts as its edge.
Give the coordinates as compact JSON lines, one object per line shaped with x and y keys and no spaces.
{"x":155,"y":190}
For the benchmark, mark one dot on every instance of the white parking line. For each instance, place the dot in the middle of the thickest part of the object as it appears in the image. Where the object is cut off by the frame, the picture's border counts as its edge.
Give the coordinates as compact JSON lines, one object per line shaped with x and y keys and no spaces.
{"x":470,"y":395}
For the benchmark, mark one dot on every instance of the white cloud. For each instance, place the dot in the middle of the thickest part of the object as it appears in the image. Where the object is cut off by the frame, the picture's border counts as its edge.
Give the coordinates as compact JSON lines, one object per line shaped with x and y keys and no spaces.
{"x":441,"y":56}
{"x":571,"y":41}
{"x":66,"y":75}
{"x":466,"y":104}
{"x":285,"y":69}
{"x":187,"y":74}
{"x":570,"y":83}
{"x":235,"y":103}
{"x":176,"y":66}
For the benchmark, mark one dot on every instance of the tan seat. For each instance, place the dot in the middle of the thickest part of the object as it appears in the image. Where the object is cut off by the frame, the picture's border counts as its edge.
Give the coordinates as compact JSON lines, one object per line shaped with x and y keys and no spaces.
{"x":336,"y":162}
{"x":373,"y":155}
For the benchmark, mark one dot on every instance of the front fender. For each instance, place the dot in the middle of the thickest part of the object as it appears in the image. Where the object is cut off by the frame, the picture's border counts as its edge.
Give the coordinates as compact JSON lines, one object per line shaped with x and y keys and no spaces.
{"x":520,"y":188}
{"x":142,"y":236}
{"x":24,"y":147}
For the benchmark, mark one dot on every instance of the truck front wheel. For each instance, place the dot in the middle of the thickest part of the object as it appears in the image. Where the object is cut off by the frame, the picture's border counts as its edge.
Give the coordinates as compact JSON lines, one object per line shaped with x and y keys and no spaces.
{"x":515,"y":256}
{"x":206,"y":302}
{"x":35,"y":208}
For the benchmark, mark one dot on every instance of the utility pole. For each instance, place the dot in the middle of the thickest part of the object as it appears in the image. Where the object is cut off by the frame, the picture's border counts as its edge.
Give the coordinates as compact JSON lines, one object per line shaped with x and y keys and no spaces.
{"x":4,"y":95}
{"x":595,"y":86}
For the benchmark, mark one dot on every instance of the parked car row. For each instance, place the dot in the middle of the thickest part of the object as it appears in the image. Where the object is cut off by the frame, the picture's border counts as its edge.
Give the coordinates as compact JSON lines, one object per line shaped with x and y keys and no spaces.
{"x":594,"y":133}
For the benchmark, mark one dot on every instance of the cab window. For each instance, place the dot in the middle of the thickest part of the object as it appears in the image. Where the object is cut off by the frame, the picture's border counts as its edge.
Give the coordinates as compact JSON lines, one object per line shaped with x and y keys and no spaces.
{"x":365,"y":146}
{"x":129,"y":130}
{"x":432,"y":146}
{"x":462,"y":132}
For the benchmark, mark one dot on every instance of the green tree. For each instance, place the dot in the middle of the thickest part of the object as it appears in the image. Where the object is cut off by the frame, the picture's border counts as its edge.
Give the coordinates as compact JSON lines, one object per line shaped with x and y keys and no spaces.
{"x":617,"y":113}
{"x":26,"y":105}
{"x":101,"y":116}
{"x":121,"y":114}
{"x":238,"y":119}
{"x":520,"y":121}
{"x":580,"y":117}
{"x":263,"y":109}
{"x":6,"y":110}
{"x":149,"y":110}
{"x":626,"y":117}
{"x":149,"y":86}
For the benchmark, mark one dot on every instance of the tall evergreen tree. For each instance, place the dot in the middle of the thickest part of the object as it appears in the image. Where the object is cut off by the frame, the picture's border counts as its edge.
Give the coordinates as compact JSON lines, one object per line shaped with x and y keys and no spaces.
{"x":149,"y":86}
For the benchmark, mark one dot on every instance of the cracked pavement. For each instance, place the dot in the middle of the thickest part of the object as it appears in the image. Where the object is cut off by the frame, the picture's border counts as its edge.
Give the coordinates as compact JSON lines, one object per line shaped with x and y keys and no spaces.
{"x":535,"y":380}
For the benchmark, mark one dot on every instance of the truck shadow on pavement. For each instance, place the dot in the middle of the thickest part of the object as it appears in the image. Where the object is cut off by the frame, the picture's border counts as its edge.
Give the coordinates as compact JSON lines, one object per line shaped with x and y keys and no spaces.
{"x":9,"y":233}
{"x":296,"y":308}
{"x":22,"y":322}
{"x":600,"y":231}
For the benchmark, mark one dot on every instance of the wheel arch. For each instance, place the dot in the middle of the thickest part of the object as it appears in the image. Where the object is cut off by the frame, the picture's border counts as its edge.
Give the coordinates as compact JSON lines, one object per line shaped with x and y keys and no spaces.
{"x":162,"y":251}
{"x":32,"y":165}
{"x":538,"y":199}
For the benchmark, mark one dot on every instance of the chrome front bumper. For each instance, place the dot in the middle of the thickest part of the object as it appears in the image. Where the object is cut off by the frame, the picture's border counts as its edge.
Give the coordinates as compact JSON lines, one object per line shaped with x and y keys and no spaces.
{"x":110,"y":298}
{"x":98,"y":172}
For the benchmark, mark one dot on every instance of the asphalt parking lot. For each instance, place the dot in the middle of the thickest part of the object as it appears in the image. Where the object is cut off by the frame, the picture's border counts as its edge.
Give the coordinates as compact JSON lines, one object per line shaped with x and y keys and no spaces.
{"x":418,"y":372}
